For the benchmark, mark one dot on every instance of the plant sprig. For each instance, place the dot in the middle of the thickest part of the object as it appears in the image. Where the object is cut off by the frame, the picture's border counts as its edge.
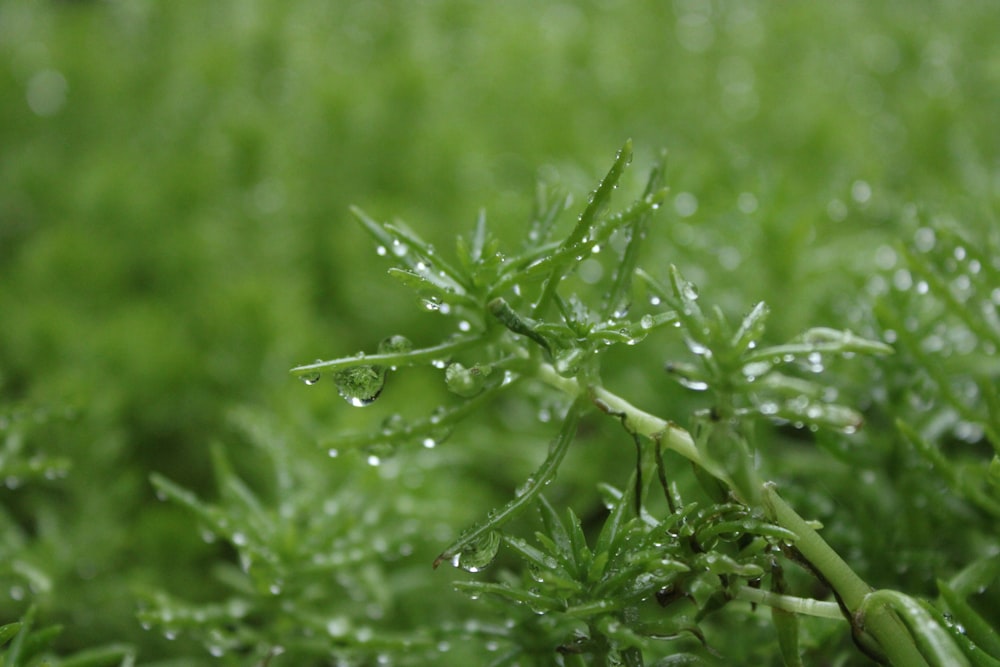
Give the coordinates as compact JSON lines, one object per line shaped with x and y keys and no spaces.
{"x":645,"y":577}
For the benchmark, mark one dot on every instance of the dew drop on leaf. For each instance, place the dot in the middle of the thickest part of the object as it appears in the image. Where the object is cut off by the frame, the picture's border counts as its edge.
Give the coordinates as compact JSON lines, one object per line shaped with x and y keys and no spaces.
{"x":697,"y":347}
{"x":310,"y":379}
{"x":693,"y":385}
{"x":395,"y":345}
{"x":466,"y":382}
{"x":360,"y":385}
{"x":479,"y":554}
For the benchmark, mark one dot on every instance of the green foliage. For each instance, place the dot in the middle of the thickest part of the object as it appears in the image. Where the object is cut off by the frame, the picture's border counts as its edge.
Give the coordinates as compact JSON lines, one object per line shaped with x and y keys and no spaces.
{"x":176,"y":185}
{"x":591,"y":599}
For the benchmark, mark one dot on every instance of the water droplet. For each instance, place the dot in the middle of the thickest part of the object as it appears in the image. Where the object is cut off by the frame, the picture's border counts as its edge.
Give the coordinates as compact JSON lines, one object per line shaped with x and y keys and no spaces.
{"x":924,"y":239}
{"x":861,"y":191}
{"x":885,"y":257}
{"x":768,"y":408}
{"x":399,"y":249}
{"x":815,"y":362}
{"x":333,"y":452}
{"x":381,"y":251}
{"x":694,"y":385}
{"x":902,"y":280}
{"x":360,"y":385}
{"x":466,"y":382}
{"x":373,"y":460}
{"x":395,"y":345}
{"x":646,"y":322}
{"x":686,"y":204}
{"x":655,"y":300}
{"x":337,"y":627}
{"x":310,"y":379}
{"x":479,"y":554}
{"x":567,"y":361}
{"x":464,"y":326}
{"x":754,"y":370}
{"x":697,"y":347}
{"x":746,"y":202}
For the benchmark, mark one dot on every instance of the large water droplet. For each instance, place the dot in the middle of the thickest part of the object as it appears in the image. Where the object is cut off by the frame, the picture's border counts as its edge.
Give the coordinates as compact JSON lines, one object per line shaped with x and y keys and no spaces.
{"x":360,"y":385}
{"x":310,"y":379}
{"x":479,"y":554}
{"x":466,"y":382}
{"x":395,"y":345}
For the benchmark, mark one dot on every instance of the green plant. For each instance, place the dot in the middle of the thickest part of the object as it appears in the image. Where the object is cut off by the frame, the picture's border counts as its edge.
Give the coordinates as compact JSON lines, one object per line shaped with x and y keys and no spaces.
{"x":23,"y":564}
{"x":657,"y":570}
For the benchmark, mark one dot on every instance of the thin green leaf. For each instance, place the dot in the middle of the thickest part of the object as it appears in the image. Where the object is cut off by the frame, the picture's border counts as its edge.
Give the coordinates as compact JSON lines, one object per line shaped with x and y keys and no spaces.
{"x":14,"y":653}
{"x":528,"y":493}
{"x":975,"y":576}
{"x":821,"y":340}
{"x":618,"y":299}
{"x":621,"y":513}
{"x":976,"y":627}
{"x":519,"y":595}
{"x":103,"y":656}
{"x":8,"y":632}
{"x":582,"y":555}
{"x":751,"y":328}
{"x":417,"y":357}
{"x":554,"y":529}
{"x":933,"y":640}
{"x":581,"y":232}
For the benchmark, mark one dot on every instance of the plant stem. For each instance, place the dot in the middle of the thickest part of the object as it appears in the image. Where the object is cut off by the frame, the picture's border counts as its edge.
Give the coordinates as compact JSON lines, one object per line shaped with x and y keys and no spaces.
{"x":880,"y":622}
{"x":795,"y":605}
{"x":635,"y":420}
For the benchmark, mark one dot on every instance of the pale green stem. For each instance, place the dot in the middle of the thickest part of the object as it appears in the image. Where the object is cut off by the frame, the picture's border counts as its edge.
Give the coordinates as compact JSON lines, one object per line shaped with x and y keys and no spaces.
{"x":880,"y":622}
{"x":636,"y":421}
{"x":789,"y":603}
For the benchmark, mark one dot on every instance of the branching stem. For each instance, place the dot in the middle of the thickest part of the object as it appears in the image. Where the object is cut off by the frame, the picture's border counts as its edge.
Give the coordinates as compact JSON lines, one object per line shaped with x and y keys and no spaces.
{"x":635,"y":420}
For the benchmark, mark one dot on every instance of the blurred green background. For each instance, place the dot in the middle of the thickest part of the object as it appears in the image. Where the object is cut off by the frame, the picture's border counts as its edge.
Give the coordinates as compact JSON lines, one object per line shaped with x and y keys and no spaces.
{"x":175,"y":180}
